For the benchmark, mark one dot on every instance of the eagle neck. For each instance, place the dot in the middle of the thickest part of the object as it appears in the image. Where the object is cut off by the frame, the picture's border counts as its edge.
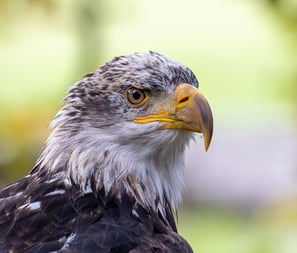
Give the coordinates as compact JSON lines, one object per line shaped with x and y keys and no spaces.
{"x":149,"y":172}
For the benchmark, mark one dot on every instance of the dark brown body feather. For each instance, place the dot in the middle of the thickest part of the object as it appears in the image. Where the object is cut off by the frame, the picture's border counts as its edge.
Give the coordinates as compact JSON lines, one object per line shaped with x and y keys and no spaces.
{"x":42,"y":214}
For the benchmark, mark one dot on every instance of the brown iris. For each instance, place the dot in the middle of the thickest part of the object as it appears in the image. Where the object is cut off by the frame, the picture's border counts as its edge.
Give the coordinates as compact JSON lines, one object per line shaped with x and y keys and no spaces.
{"x":136,"y":96}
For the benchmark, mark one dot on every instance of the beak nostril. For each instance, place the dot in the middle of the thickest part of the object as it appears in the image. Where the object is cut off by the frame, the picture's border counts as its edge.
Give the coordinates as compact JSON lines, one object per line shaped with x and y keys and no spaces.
{"x":183,"y":100}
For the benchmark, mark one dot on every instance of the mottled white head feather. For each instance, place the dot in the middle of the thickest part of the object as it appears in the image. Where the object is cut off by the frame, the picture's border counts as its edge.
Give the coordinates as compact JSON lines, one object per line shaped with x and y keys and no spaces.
{"x":98,"y":145}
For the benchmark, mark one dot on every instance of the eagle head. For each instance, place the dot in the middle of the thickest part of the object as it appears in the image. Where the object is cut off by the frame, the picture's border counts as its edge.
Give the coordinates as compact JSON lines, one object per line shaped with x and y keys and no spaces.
{"x":125,"y":127}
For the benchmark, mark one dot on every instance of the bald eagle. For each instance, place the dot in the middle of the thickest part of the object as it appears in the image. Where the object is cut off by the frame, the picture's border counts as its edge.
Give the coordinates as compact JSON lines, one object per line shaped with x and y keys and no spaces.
{"x":110,"y":176}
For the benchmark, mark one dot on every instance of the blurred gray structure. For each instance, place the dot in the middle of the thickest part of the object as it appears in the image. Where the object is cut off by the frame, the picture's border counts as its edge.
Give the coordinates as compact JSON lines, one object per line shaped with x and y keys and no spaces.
{"x":245,"y":167}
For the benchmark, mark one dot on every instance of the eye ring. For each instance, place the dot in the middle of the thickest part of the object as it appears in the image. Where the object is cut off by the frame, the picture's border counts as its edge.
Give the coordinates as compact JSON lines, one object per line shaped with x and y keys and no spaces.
{"x":136,"y":96}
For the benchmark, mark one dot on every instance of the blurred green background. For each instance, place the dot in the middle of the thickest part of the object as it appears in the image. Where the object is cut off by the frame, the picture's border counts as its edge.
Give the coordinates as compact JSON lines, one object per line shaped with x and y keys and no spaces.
{"x":241,"y":195}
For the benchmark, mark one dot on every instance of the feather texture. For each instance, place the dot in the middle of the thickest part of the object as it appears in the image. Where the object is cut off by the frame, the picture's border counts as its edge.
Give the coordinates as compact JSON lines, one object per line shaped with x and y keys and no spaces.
{"x":51,"y":216}
{"x":104,"y":183}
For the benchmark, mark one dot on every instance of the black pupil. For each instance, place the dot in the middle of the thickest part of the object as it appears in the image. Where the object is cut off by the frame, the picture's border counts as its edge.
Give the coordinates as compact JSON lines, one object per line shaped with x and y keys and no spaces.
{"x":136,"y":94}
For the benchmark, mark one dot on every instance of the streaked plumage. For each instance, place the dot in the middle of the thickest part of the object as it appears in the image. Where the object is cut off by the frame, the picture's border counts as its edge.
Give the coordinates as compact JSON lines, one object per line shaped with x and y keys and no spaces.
{"x":110,"y":176}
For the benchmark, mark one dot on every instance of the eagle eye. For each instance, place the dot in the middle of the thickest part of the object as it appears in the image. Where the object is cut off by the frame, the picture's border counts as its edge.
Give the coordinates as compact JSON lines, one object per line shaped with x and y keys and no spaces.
{"x":136,"y":96}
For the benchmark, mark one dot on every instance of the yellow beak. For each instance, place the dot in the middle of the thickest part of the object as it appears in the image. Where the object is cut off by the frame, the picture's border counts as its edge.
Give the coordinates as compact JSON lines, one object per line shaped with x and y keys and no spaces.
{"x":189,"y":111}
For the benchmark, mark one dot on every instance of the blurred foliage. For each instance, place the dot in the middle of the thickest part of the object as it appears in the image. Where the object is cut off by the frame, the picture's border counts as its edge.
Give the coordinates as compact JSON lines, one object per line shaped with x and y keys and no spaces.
{"x":27,"y":24}
{"x":89,"y":20}
{"x":226,"y":231}
{"x":285,"y":13}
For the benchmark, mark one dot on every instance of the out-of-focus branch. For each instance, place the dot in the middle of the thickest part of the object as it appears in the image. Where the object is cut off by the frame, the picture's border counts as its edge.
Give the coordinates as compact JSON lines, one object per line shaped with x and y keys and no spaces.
{"x":285,"y":11}
{"x":89,"y":20}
